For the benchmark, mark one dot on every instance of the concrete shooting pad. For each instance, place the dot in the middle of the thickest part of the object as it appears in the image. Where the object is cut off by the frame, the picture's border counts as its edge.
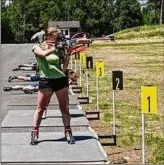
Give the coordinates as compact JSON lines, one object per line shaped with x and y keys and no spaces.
{"x":20,"y":92}
{"x":20,"y":118}
{"x":34,"y":95}
{"x":52,"y":148}
{"x":22,"y":100}
{"x":33,"y":107}
{"x":20,"y":82}
{"x":19,"y":72}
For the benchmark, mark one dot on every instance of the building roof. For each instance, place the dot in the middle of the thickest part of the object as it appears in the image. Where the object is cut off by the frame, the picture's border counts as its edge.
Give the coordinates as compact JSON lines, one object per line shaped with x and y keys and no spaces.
{"x":64,"y":24}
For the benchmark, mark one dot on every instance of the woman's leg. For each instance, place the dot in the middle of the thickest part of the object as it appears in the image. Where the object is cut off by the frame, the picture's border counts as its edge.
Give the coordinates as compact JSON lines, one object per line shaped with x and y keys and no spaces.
{"x":23,"y":78}
{"x":30,"y":89}
{"x":26,"y":68}
{"x":43,"y":97}
{"x":28,"y":64}
{"x":18,"y":87}
{"x":63,"y":99}
{"x":42,"y":102}
{"x":45,"y":111}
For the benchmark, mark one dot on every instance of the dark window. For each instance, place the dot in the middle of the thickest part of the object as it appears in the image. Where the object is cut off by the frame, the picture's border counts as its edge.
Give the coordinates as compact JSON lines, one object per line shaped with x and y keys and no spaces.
{"x":66,"y":32}
{"x":74,"y":30}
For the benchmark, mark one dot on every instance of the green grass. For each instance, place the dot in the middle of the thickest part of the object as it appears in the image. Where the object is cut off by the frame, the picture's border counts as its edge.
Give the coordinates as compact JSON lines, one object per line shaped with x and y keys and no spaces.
{"x":141,"y":65}
{"x":141,"y":32}
{"x":158,"y":151}
{"x":97,"y":45}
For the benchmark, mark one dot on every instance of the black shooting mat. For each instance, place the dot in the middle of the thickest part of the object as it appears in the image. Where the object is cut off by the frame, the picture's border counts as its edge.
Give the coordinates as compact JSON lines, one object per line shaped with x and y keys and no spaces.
{"x":52,"y":148}
{"x":20,"y":118}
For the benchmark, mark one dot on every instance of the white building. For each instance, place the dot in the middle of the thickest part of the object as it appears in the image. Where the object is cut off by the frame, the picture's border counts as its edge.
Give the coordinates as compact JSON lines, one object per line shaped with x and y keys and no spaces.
{"x":8,"y":2}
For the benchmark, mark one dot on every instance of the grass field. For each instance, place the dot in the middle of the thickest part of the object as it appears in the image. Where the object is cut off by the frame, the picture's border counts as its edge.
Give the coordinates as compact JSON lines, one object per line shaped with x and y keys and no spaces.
{"x":141,"y":32}
{"x":142,"y":64}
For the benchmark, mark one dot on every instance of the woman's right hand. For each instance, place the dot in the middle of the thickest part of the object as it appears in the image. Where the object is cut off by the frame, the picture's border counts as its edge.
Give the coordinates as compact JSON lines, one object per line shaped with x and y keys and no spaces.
{"x":52,"y":48}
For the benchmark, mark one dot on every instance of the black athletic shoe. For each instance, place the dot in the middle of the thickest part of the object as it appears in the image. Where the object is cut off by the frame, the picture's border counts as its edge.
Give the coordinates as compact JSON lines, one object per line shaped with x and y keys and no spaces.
{"x":7,"y":88}
{"x":28,"y":91}
{"x":15,"y":69}
{"x":19,"y":66}
{"x":11,"y":78}
{"x":34,"y":137}
{"x":69,"y":137}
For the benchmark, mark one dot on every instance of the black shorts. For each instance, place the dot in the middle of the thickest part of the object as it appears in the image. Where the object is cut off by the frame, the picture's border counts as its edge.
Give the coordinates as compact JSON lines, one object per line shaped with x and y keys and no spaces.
{"x":53,"y":84}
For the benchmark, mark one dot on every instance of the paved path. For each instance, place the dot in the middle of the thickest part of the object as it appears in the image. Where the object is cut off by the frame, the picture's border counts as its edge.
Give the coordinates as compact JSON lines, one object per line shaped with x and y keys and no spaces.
{"x":17,"y":112}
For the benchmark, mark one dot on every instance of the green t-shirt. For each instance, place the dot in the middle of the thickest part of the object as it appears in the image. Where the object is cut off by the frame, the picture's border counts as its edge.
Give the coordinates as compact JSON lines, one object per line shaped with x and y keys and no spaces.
{"x":49,"y":67}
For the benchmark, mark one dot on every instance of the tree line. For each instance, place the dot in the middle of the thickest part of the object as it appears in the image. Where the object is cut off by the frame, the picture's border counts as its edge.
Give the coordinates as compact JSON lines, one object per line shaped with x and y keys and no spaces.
{"x":21,"y":18}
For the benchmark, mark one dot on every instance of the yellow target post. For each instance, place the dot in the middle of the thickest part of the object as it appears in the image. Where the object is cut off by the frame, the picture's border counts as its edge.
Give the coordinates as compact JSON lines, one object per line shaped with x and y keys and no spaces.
{"x":148,"y":106}
{"x":149,"y":99}
{"x":82,"y":61}
{"x":82,"y":57}
{"x":100,"y":70}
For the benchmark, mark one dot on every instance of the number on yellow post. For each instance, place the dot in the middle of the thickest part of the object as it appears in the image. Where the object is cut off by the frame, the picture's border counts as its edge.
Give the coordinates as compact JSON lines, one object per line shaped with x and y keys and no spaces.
{"x":100,"y":69}
{"x":82,"y":58}
{"x":149,"y":99}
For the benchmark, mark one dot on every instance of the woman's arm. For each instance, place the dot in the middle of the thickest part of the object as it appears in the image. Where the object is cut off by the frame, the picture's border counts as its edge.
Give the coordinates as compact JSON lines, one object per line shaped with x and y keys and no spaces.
{"x":43,"y":53}
{"x":65,"y":63}
{"x":37,"y":69}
